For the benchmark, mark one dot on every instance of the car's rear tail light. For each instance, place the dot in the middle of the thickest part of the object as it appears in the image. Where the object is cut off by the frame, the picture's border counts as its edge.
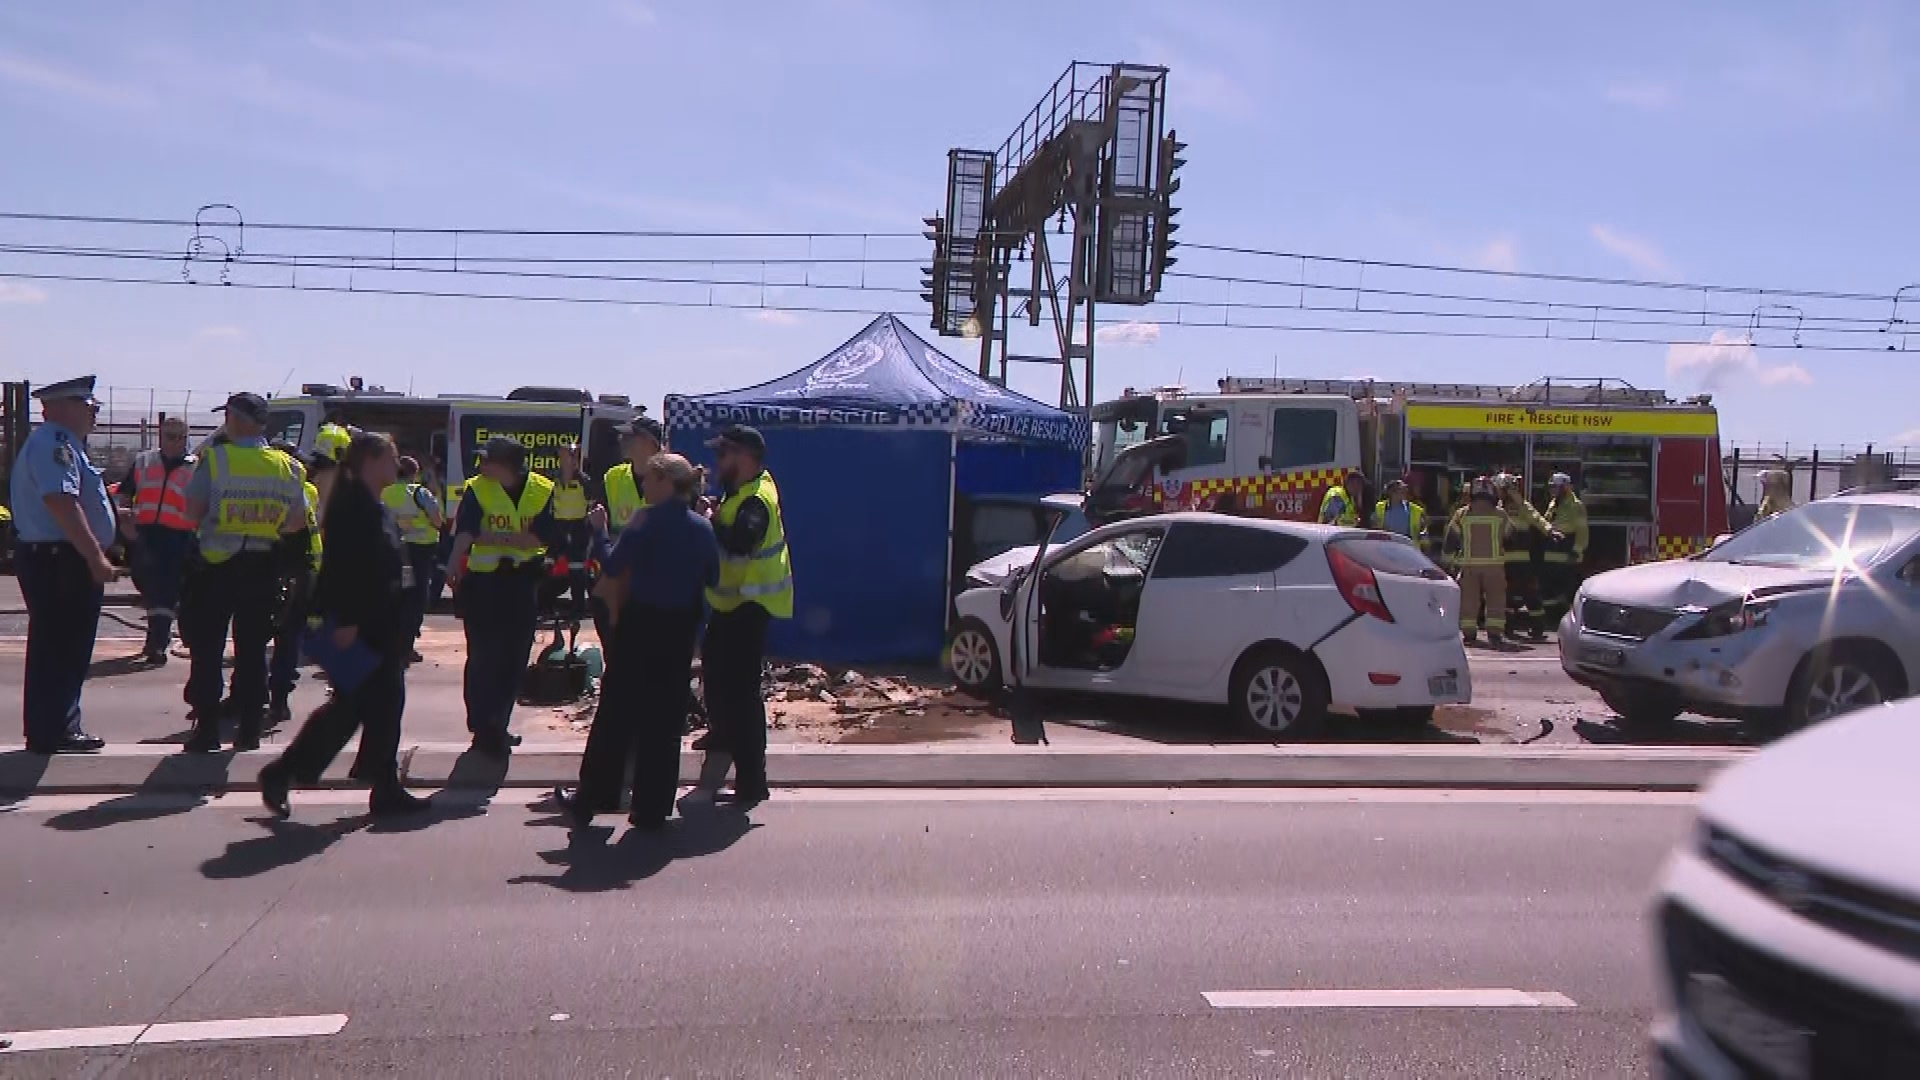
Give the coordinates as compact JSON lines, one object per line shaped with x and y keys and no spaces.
{"x":1383,"y":678}
{"x":1357,"y":585}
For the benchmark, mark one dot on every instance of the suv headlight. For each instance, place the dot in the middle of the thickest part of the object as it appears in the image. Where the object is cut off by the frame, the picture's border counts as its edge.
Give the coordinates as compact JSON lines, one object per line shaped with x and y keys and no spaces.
{"x":1735,"y":617}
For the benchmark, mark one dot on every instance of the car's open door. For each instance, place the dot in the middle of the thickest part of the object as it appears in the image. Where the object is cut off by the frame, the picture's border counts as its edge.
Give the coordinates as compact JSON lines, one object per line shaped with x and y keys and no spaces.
{"x":1124,"y":488}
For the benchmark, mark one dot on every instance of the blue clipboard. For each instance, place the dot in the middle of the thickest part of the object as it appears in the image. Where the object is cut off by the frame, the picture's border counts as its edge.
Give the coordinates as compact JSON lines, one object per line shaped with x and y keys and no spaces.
{"x":346,"y":668}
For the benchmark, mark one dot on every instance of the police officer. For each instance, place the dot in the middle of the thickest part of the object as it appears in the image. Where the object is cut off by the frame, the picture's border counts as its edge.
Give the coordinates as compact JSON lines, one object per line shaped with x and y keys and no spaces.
{"x":162,"y":531}
{"x":1341,"y":504}
{"x":640,"y":440}
{"x":296,"y":582}
{"x":65,"y":522}
{"x":252,"y":506}
{"x":417,"y":513}
{"x":756,"y":585}
{"x":501,"y":534}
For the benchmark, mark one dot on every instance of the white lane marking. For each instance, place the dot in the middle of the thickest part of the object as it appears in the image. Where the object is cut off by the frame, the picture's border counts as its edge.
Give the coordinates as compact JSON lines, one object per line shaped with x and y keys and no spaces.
{"x":1484,"y":998}
{"x":192,"y":1031}
{"x":20,"y":1042}
{"x":341,"y":798}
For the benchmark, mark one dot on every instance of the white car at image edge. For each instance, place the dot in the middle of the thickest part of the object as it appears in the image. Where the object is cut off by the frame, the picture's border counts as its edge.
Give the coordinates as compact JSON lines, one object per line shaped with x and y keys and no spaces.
{"x":1279,"y":620}
{"x":1788,"y":923}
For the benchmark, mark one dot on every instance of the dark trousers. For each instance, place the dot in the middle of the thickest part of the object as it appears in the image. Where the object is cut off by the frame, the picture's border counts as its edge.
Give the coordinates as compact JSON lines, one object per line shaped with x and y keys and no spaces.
{"x":642,"y":713}
{"x":425,"y":560}
{"x":63,"y":614}
{"x":284,"y":669}
{"x":239,"y":592}
{"x":162,"y":557}
{"x":498,"y":612}
{"x":374,"y":706}
{"x":730,"y":661}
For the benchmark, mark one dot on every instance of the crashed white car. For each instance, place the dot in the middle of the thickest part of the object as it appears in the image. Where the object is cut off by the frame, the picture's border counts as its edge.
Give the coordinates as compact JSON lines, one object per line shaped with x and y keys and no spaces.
{"x":1279,"y":620}
{"x":1789,"y":622}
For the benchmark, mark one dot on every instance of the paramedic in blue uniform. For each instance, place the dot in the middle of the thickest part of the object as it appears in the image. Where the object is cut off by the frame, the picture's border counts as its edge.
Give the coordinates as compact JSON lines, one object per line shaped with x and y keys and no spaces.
{"x":64,"y":521}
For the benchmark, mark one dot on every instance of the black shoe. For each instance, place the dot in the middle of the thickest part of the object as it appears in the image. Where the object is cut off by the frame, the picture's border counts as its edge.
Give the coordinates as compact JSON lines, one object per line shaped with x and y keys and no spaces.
{"x":704,"y":742}
{"x":78,"y":742}
{"x":155,"y":657}
{"x":414,"y":657}
{"x":648,"y":822}
{"x":205,"y":738}
{"x":510,"y":739}
{"x":279,"y":713}
{"x":247,"y":737}
{"x":576,"y":809}
{"x":396,"y":802}
{"x":274,"y":785}
{"x":744,"y":798}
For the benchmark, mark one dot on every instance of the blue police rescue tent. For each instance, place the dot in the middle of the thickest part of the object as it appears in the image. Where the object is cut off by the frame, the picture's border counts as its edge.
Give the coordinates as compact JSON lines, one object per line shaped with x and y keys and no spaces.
{"x":869,"y":446}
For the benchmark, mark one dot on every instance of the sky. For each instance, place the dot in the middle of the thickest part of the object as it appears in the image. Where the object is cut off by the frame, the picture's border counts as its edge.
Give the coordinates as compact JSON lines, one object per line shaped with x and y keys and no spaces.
{"x":1746,"y":143}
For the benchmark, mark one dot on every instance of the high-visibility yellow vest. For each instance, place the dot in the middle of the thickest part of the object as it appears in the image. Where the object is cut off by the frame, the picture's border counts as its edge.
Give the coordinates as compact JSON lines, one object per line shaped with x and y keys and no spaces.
{"x":403,"y":502}
{"x":251,"y":493}
{"x":501,"y":518}
{"x":764,"y":577}
{"x":1481,"y":537}
{"x":313,"y":524}
{"x":1416,"y":519}
{"x":1569,"y":515}
{"x":570,"y":501}
{"x":1521,"y":516}
{"x":623,"y":495}
{"x":1349,"y":513}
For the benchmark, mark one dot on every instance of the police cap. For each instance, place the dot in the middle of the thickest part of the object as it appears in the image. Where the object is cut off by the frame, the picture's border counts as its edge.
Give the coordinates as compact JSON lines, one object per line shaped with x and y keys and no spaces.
{"x":505,"y":450}
{"x":741,"y":436}
{"x":80,"y":389}
{"x":644,"y":425}
{"x":247,"y":405}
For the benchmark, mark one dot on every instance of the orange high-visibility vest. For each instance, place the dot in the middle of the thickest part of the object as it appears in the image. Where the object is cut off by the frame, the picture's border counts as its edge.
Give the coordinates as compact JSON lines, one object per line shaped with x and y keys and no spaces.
{"x":160,"y":493}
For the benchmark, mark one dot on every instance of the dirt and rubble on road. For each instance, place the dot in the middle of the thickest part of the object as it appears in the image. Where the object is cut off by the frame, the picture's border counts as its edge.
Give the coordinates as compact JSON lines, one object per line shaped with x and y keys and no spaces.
{"x":811,"y":703}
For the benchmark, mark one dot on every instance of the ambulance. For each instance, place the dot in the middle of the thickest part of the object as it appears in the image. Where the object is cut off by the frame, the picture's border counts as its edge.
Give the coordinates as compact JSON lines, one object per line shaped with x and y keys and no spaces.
{"x":445,"y":433}
{"x":1646,"y":465}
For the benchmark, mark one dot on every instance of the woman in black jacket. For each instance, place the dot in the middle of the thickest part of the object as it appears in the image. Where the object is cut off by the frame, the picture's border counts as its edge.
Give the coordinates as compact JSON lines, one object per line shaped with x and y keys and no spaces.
{"x":363,"y":574}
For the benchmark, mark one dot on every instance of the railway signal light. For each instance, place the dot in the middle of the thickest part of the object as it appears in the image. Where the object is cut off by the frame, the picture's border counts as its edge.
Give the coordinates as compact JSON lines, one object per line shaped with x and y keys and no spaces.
{"x":1164,"y":243}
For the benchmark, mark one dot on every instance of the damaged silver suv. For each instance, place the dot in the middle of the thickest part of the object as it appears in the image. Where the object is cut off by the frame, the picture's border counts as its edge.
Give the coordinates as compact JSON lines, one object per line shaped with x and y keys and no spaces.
{"x":1787,"y":623}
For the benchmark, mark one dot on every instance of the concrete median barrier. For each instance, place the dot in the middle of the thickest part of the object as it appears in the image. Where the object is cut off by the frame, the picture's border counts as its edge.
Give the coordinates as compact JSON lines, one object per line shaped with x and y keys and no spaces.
{"x":158,"y":769}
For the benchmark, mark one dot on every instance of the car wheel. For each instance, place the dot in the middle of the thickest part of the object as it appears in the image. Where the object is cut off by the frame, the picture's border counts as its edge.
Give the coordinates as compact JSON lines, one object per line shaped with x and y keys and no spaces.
{"x":1278,"y":695}
{"x":974,"y":659}
{"x":1834,"y":682}
{"x":1641,"y":709}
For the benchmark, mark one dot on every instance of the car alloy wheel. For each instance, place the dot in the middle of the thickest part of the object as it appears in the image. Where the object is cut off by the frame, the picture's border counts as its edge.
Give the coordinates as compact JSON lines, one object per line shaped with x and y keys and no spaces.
{"x":1841,"y":688}
{"x":974,"y":661}
{"x":1275,"y":699}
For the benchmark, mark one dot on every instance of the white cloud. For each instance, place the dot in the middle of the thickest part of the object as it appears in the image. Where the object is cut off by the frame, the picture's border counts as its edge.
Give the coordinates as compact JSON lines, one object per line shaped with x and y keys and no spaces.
{"x":13,"y":292}
{"x":37,"y":75}
{"x":1639,"y":253}
{"x":775,"y":317}
{"x":1727,"y":359}
{"x":1640,"y":94}
{"x":1128,"y":333}
{"x":1910,"y":437}
{"x":1499,"y":253}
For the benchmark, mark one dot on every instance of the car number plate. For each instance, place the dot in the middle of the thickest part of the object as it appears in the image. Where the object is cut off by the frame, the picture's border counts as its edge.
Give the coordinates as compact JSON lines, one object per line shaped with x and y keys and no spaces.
{"x":1603,"y":656}
{"x":1785,"y":1051}
{"x":1443,"y":686}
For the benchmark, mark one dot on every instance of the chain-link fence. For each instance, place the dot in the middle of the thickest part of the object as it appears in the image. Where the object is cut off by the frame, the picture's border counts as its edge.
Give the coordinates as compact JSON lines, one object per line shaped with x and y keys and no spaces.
{"x":130,"y":422}
{"x":1816,"y":469}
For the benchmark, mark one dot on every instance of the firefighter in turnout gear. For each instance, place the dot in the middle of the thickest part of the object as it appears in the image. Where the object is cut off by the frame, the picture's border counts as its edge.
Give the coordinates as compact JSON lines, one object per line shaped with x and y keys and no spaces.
{"x":1527,"y":532}
{"x":1475,"y":535}
{"x":1341,"y":504}
{"x":1566,"y":548}
{"x":162,"y":531}
{"x":1776,"y":494}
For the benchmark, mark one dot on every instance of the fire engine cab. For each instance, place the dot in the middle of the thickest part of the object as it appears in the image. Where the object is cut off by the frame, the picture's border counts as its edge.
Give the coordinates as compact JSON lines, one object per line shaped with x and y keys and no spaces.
{"x":1646,"y":465}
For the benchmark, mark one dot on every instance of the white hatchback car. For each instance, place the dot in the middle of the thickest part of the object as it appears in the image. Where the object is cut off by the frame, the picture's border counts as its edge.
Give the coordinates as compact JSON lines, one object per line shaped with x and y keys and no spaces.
{"x":1788,"y":924}
{"x":1276,"y":619}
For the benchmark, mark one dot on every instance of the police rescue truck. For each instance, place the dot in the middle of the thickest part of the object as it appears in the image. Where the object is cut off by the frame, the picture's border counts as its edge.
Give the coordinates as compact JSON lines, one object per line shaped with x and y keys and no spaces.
{"x":445,"y":433}
{"x":1646,"y":465}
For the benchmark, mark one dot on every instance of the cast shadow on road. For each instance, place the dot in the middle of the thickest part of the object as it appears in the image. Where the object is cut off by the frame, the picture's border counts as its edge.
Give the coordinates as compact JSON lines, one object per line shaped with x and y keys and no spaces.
{"x":589,"y":864}
{"x":121,"y":665}
{"x":1184,"y":724}
{"x":20,"y":774}
{"x":284,"y":844}
{"x":177,"y":784}
{"x":1681,"y":731}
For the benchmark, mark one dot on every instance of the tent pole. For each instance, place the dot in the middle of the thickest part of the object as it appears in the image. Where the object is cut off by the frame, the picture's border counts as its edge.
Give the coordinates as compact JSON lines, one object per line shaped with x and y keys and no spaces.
{"x":953,"y":497}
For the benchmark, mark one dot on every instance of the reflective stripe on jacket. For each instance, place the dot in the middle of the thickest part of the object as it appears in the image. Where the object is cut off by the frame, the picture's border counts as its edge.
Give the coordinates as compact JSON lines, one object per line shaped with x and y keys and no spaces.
{"x":569,"y":501}
{"x":251,"y":491}
{"x":160,"y":493}
{"x":766,"y":576}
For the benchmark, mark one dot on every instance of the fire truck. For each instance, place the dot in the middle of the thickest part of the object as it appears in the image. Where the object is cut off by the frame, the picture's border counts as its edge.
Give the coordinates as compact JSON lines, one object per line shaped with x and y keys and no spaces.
{"x":1646,"y":465}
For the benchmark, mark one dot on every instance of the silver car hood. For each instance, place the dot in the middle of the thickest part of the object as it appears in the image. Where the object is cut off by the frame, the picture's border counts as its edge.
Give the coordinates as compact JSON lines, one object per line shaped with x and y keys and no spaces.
{"x":1838,"y":797}
{"x":1680,"y":583}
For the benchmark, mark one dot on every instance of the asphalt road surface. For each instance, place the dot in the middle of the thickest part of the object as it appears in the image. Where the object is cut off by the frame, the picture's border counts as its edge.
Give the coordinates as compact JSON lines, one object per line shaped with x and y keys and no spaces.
{"x":1032,"y":934}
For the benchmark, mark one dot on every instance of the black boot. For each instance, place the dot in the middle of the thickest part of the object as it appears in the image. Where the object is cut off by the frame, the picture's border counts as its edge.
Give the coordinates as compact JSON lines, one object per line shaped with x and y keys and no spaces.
{"x":205,"y":736}
{"x":248,"y":735}
{"x":390,"y":799}
{"x":275,"y":782}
